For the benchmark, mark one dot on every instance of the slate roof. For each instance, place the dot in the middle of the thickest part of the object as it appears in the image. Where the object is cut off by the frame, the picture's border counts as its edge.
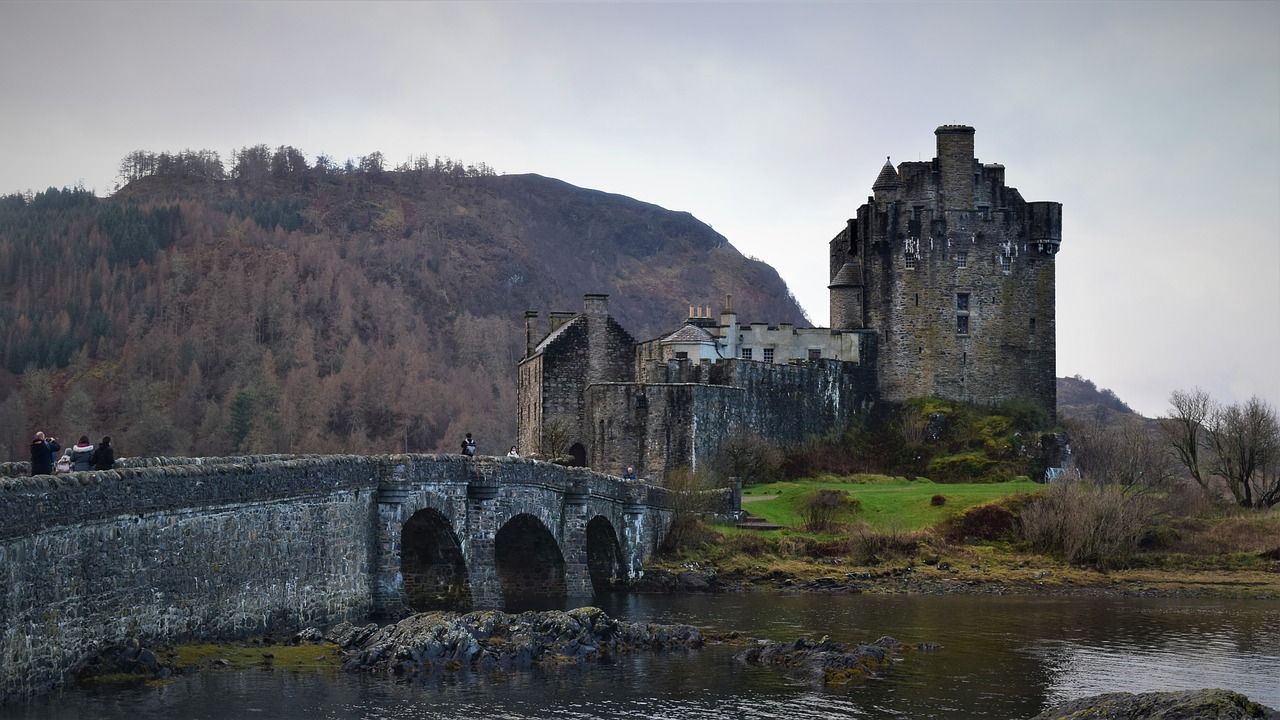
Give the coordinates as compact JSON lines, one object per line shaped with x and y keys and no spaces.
{"x":850,"y":275}
{"x":689,"y":334}
{"x":888,"y":179}
{"x":553,"y":336}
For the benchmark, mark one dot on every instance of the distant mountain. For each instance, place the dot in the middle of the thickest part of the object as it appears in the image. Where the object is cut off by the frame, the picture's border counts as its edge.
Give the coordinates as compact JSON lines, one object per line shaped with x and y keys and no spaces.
{"x":1080,"y":398}
{"x":295,"y":307}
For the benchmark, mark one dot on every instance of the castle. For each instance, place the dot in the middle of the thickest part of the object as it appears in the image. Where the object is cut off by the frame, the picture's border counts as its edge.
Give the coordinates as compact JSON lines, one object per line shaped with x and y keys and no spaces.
{"x":942,"y":285}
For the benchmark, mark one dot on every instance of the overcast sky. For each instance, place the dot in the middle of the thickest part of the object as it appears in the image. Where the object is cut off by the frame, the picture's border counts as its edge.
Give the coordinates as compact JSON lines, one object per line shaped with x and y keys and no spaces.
{"x":1155,"y":124}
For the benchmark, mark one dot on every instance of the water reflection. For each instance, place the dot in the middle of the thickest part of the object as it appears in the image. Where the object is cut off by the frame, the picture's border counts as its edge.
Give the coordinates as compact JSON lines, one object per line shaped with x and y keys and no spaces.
{"x":1001,"y":658}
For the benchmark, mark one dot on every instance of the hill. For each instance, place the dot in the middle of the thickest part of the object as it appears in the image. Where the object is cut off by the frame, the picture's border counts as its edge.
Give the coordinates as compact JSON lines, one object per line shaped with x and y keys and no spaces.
{"x":284,"y":306}
{"x":1080,"y":399}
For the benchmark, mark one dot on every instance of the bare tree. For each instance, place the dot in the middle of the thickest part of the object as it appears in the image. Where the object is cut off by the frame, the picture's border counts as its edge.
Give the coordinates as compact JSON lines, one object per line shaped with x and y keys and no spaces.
{"x":1238,"y":444}
{"x":1245,"y":439}
{"x":1184,"y":428}
{"x":1121,"y":450}
{"x":748,"y":457}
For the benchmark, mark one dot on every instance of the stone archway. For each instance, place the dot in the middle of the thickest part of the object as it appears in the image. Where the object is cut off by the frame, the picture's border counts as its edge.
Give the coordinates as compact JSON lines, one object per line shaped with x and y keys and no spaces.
{"x":431,"y":563}
{"x":604,"y":554}
{"x":531,"y":568}
{"x":579,"y":454}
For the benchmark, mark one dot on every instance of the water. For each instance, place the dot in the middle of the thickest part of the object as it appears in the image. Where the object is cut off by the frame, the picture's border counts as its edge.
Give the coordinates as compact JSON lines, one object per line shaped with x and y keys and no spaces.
{"x":1002,"y":657}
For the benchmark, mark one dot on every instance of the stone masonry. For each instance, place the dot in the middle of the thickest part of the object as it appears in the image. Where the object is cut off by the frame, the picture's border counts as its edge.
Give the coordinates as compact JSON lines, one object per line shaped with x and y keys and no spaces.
{"x":169,"y":550}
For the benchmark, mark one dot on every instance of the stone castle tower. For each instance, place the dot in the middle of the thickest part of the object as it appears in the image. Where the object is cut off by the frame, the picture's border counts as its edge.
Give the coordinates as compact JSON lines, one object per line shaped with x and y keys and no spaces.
{"x":955,"y":272}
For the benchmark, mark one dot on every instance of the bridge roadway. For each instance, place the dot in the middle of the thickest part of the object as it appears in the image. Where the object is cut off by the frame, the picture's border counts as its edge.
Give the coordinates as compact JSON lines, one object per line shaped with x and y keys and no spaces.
{"x":179,"y":549}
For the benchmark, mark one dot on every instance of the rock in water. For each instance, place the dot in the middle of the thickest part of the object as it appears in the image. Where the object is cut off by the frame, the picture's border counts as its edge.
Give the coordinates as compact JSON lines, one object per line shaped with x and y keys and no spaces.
{"x":488,"y":640}
{"x":1184,"y":705}
{"x":822,"y":662}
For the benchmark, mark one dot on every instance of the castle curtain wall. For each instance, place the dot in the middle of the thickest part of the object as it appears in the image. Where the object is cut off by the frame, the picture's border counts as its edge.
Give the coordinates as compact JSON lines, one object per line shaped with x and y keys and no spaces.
{"x":657,"y":427}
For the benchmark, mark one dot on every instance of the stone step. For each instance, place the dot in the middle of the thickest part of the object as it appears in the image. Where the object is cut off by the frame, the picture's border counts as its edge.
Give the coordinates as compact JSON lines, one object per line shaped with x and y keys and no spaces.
{"x":752,"y":522}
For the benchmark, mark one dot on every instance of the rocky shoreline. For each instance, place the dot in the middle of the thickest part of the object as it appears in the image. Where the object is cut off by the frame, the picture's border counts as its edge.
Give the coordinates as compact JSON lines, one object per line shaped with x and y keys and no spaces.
{"x":432,"y":643}
{"x":912,"y":580}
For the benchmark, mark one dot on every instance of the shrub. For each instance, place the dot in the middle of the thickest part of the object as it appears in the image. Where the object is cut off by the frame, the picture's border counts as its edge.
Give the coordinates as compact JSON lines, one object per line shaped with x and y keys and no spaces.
{"x":749,"y":543}
{"x":828,"y":549}
{"x":871,"y":547}
{"x":984,"y":522}
{"x":687,"y":533}
{"x":823,"y":508}
{"x":692,"y":494}
{"x":1090,"y":524}
{"x":750,"y":458}
{"x":938,"y":500}
{"x":965,"y":467}
{"x":1025,"y":415}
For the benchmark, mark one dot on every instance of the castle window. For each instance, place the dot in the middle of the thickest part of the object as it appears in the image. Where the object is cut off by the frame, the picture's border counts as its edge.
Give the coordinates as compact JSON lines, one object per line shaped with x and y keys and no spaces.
{"x":768,"y":355}
{"x":910,"y":259}
{"x":1006,"y":262}
{"x":1031,"y":327}
{"x":984,"y":212}
{"x":962,"y":324}
{"x":962,"y":302}
{"x":962,"y":313}
{"x":746,"y":353}
{"x":815,"y":354}
{"x":682,"y":356}
{"x":962,"y":259}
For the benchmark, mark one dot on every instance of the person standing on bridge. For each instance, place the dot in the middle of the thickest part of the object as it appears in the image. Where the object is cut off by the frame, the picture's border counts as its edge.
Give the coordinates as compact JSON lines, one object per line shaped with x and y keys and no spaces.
{"x":104,"y":458}
{"x":82,"y":455}
{"x":469,"y":446}
{"x":42,"y":452}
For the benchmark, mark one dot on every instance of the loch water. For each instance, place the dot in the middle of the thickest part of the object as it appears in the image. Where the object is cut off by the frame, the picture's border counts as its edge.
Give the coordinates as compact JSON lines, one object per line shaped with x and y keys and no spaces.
{"x":1000,"y":657}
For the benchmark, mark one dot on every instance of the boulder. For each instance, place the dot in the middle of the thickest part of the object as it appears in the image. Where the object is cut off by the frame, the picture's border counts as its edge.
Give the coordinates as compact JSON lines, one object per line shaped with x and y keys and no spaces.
{"x":1183,"y":705}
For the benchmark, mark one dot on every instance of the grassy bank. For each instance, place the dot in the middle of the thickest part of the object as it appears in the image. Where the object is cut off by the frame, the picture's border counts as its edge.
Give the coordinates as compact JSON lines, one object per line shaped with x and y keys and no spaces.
{"x":885,"y":503}
{"x":912,"y":535}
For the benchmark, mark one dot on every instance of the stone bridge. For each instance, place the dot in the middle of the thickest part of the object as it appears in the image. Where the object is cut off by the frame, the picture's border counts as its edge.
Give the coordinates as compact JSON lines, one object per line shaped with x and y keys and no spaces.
{"x":168,"y":550}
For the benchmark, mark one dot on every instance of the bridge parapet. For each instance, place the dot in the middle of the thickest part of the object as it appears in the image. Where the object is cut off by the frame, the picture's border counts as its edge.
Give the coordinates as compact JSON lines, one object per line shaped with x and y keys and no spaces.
{"x":167,"y":549}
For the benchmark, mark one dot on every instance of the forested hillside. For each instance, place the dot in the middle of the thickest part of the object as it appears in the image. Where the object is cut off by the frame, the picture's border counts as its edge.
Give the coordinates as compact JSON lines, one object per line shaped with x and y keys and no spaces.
{"x":281,"y":305}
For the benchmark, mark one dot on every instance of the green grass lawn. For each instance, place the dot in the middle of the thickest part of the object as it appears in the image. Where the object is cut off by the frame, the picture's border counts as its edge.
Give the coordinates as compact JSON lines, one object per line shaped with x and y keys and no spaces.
{"x":886,"y":503}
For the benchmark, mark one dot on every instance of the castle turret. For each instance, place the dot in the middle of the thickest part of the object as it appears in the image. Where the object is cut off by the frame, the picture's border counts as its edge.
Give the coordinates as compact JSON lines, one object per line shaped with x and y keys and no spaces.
{"x":846,"y":297}
{"x":887,"y":182}
{"x":955,"y":165}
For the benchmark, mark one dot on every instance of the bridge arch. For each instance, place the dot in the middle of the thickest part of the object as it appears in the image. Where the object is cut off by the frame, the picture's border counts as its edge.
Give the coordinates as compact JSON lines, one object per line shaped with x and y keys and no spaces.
{"x":529,"y":562}
{"x":432,"y":566}
{"x":605,"y":562}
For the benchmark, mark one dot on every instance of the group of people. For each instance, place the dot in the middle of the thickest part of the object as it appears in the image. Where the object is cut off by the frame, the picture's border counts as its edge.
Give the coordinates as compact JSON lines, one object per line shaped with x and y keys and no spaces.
{"x":81,"y":456}
{"x":469,"y":449}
